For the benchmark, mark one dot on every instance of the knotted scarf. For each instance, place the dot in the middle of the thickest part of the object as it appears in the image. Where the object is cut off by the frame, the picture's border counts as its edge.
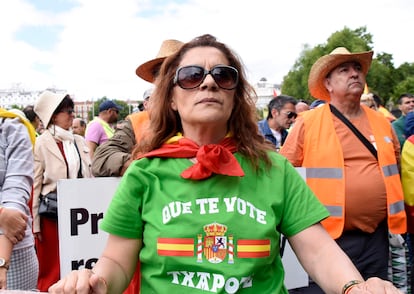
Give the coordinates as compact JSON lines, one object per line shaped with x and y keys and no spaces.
{"x":211,"y":158}
{"x":71,"y":153}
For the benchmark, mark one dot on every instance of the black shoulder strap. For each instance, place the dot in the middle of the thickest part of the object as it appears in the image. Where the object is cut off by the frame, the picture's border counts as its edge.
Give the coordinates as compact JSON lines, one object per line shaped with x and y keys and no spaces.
{"x":80,"y":160}
{"x":361,"y":137}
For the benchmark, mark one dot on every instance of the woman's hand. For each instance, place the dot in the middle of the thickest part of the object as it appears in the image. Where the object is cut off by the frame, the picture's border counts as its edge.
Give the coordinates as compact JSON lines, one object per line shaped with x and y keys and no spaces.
{"x":80,"y":282}
{"x":13,"y":223}
{"x":374,"y":285}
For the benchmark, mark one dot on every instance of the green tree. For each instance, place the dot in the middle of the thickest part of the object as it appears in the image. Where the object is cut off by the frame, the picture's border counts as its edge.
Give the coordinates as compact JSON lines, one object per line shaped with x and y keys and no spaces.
{"x":295,"y":83}
{"x":405,"y":86}
{"x":404,"y":79}
{"x":383,"y":78}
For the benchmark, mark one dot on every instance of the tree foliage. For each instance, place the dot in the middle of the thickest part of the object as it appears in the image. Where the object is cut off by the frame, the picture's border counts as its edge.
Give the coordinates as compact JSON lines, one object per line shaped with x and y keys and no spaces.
{"x":383,"y":78}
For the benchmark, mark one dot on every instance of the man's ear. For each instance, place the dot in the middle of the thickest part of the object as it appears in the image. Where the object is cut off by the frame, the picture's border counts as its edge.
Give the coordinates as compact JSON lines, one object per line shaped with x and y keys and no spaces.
{"x":327,"y":84}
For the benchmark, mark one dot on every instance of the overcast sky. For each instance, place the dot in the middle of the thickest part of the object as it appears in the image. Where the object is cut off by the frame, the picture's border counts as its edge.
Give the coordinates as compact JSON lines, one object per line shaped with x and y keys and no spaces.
{"x":91,"y":48}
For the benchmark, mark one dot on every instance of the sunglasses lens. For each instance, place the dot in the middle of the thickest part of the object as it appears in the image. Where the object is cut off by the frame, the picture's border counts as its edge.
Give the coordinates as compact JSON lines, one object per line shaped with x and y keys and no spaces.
{"x":292,"y":115}
{"x":226,"y":77}
{"x":190,"y":77}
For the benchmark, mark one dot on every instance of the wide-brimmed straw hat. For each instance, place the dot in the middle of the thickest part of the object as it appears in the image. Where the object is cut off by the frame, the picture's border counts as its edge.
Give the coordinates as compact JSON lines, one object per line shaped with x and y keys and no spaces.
{"x":324,"y":65}
{"x":46,"y":104}
{"x":146,"y":70}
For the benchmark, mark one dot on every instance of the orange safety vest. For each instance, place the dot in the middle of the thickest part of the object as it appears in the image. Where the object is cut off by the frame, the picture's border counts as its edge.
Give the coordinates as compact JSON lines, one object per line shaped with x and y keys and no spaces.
{"x":324,"y":163}
{"x":139,"y":122}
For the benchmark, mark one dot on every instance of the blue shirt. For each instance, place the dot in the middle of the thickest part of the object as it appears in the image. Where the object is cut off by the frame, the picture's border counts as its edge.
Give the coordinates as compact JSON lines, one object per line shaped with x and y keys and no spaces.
{"x":265,"y":130}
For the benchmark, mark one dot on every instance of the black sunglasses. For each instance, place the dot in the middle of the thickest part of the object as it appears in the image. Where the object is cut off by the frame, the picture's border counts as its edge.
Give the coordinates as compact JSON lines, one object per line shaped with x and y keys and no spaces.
{"x":191,"y":76}
{"x":290,"y":114}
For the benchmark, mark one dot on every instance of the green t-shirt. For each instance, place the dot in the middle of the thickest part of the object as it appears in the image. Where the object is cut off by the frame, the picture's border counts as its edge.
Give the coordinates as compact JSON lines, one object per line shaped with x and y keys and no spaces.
{"x":219,"y":235}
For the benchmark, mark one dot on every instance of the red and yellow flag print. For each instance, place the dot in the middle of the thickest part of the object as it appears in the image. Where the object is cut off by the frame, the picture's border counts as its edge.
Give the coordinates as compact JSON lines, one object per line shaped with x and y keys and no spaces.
{"x":175,"y":246}
{"x":253,"y":248}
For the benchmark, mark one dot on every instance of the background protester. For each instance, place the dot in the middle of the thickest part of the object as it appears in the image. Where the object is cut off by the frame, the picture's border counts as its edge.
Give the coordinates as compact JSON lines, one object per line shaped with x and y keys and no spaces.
{"x":368,"y":100}
{"x":382,"y":109}
{"x":59,"y":154}
{"x":99,"y":130}
{"x":329,"y":142}
{"x":79,"y":126}
{"x":18,"y":261}
{"x":407,"y":178}
{"x":281,"y":115}
{"x":405,"y":105}
{"x":113,"y":157}
{"x":302,"y":106}
{"x":33,"y":118}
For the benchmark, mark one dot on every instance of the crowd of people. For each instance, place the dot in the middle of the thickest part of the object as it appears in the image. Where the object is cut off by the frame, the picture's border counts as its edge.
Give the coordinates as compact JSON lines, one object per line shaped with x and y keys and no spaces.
{"x":198,"y":147}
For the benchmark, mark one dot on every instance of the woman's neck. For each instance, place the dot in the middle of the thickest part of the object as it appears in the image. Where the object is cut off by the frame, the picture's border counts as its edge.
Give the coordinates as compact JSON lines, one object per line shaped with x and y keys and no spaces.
{"x":204,"y":136}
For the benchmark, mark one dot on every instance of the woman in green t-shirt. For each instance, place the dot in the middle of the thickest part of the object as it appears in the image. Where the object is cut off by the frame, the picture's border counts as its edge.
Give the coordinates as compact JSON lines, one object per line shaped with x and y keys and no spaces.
{"x":204,"y":206}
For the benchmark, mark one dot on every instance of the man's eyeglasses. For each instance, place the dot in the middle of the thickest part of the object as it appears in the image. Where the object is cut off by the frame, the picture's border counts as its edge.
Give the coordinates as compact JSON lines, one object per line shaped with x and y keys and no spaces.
{"x":191,"y":76}
{"x":115,"y":109}
{"x":68,"y":111}
{"x":290,"y":114}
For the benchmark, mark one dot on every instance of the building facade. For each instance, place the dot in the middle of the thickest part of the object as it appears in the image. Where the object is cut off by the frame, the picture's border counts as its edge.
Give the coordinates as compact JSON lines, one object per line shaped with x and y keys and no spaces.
{"x":20,"y":98}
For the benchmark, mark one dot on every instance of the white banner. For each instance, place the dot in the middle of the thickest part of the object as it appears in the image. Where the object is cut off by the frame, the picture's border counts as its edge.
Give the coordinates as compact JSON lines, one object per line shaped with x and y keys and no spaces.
{"x":82,"y":204}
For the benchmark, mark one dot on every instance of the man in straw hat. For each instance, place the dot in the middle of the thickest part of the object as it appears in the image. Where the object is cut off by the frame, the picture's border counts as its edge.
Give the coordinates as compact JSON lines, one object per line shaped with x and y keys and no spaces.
{"x":358,"y":182}
{"x":149,"y":70}
{"x":113,"y":157}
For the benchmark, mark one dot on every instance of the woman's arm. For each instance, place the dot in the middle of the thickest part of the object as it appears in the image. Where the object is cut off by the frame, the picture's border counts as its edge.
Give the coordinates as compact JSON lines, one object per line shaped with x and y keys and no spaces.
{"x":16,"y":178}
{"x":329,"y":266}
{"x":111,"y":274}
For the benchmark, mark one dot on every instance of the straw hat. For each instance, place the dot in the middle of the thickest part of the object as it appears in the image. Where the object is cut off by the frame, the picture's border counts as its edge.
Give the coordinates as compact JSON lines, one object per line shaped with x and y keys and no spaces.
{"x":46,"y":104}
{"x":146,"y":70}
{"x":324,"y":65}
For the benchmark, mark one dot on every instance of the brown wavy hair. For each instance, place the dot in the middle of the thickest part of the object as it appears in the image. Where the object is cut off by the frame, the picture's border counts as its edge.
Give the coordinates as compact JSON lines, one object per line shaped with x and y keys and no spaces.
{"x":166,"y":122}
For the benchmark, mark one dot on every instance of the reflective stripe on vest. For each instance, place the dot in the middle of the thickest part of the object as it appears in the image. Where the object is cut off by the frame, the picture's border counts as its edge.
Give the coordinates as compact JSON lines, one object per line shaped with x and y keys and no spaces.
{"x":335,"y":211}
{"x":397,"y":207}
{"x":390,"y":170}
{"x":323,"y":173}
